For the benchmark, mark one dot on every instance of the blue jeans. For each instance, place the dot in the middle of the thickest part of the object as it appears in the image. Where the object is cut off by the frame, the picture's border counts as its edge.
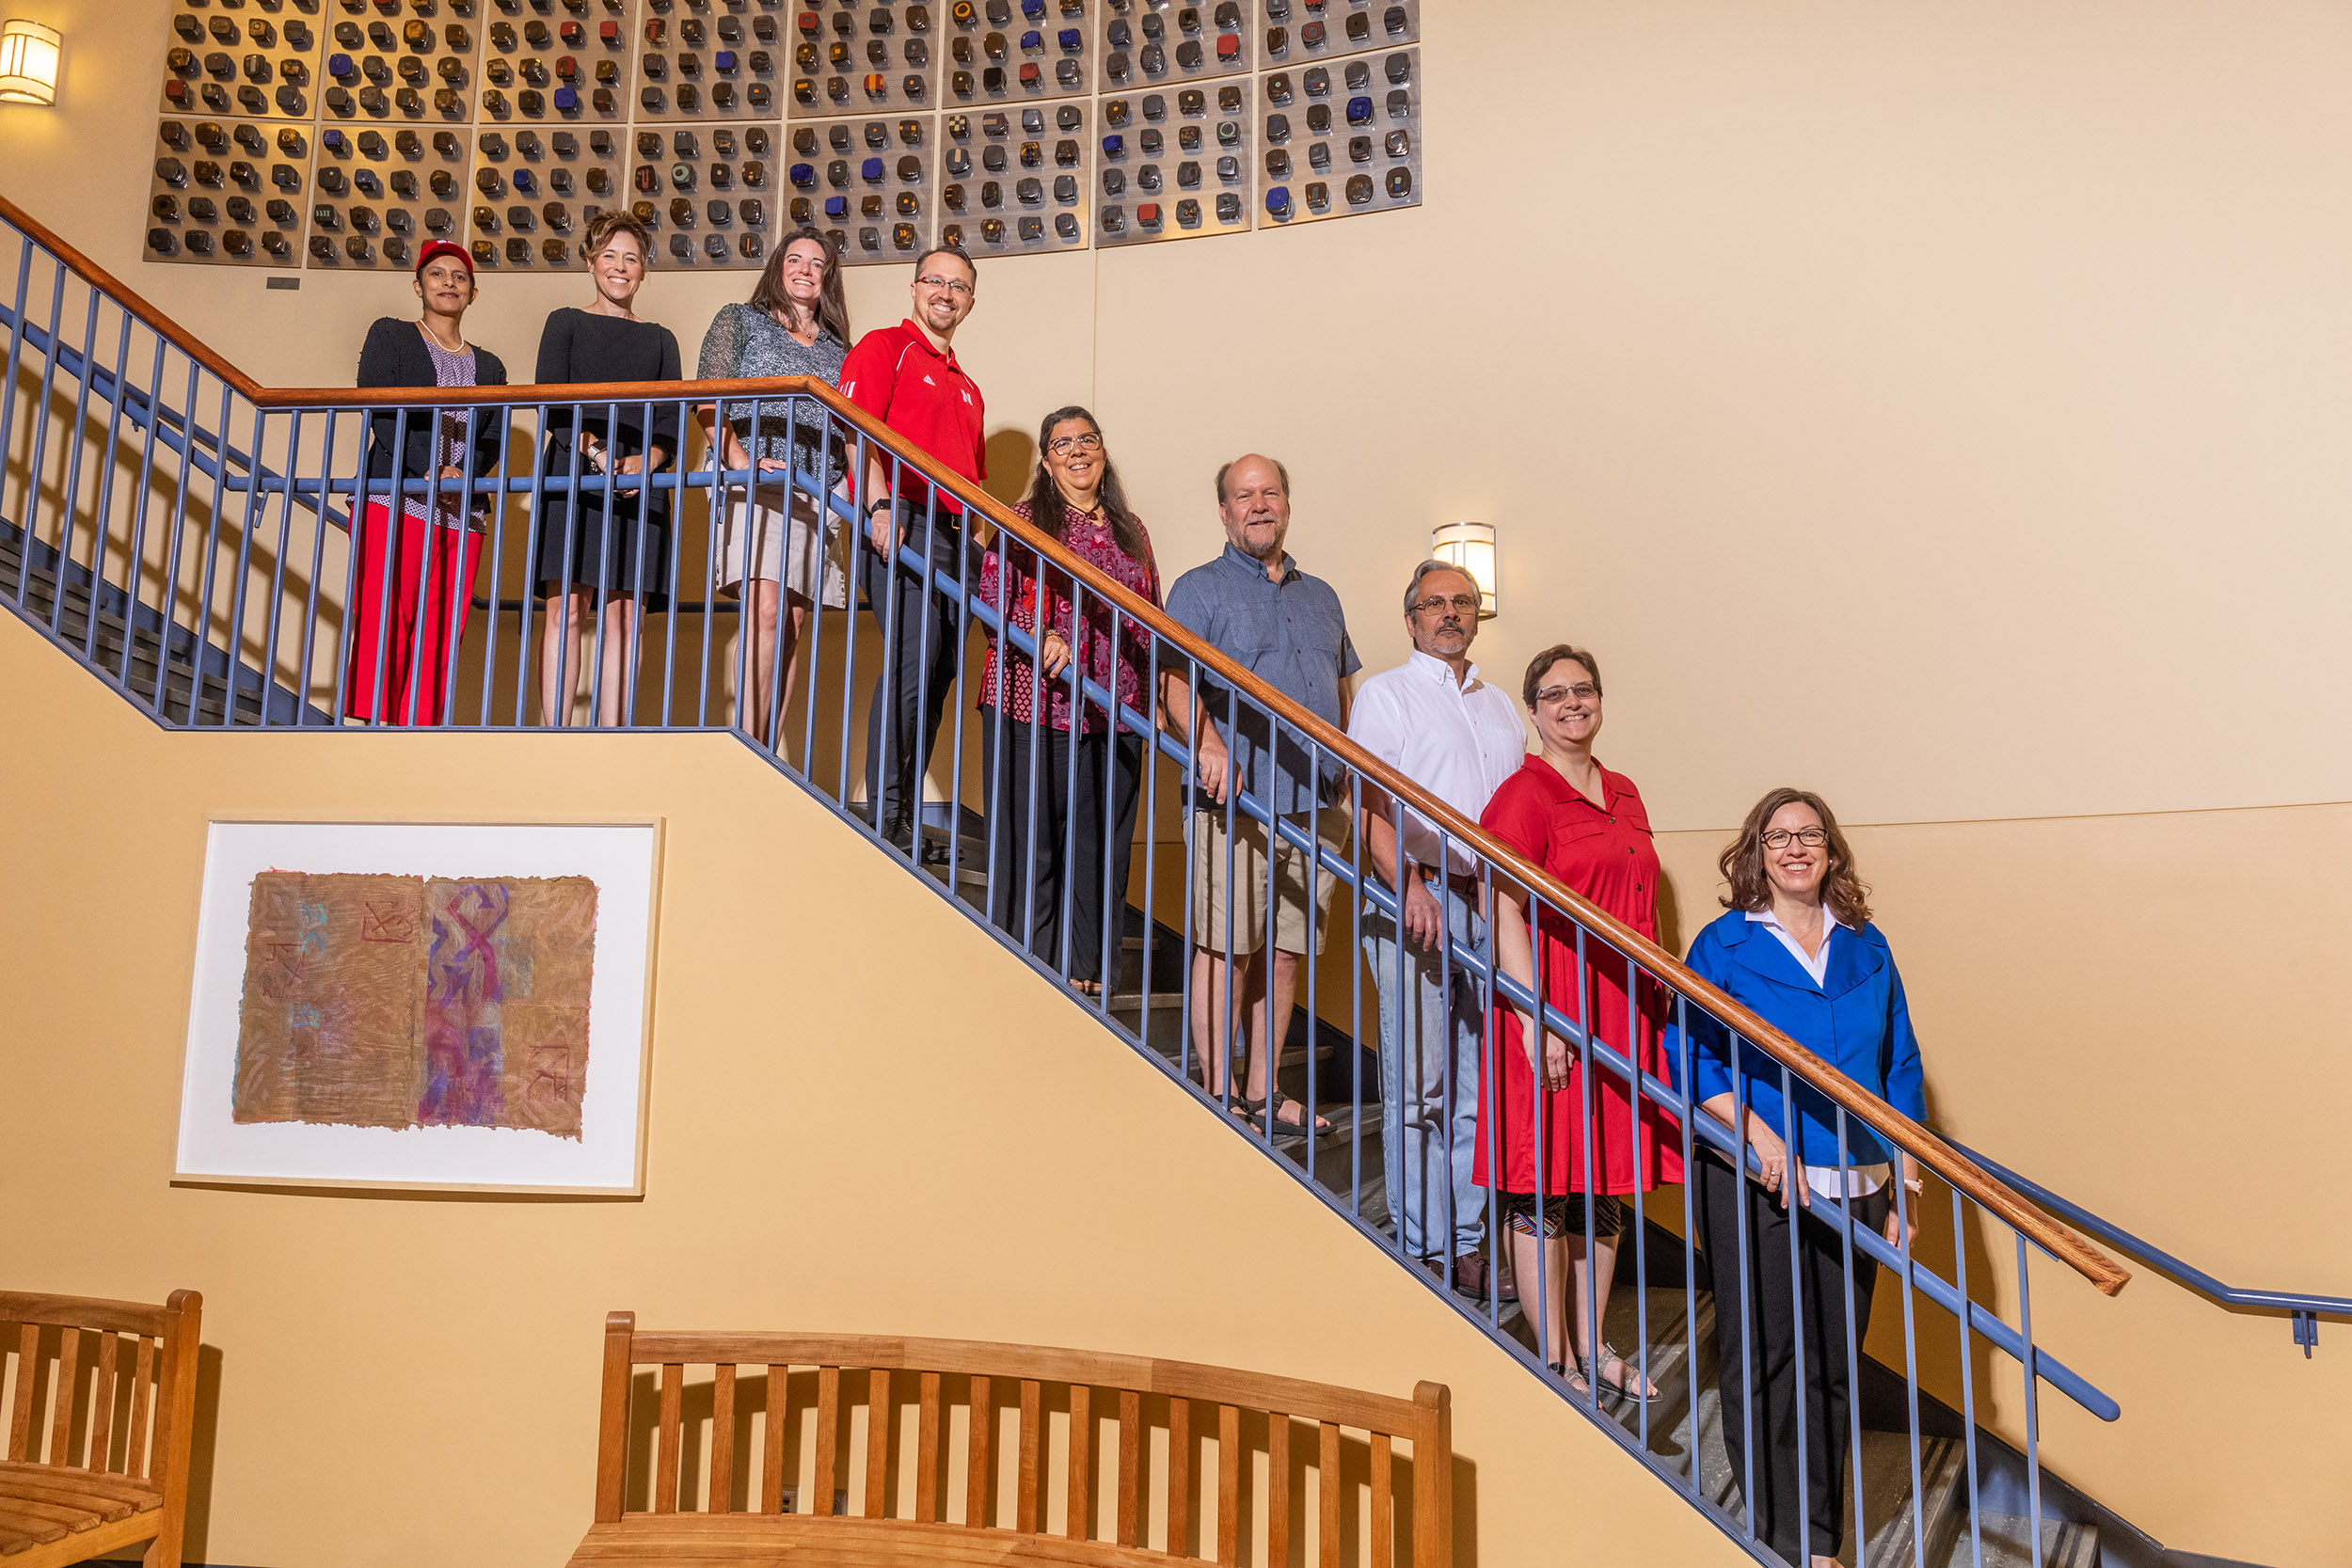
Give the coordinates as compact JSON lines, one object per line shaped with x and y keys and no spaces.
{"x":1429,"y":1035}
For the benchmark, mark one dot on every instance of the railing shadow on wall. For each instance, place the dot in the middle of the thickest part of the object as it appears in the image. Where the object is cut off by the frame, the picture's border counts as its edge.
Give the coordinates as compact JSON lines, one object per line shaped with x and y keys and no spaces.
{"x":218,"y":517}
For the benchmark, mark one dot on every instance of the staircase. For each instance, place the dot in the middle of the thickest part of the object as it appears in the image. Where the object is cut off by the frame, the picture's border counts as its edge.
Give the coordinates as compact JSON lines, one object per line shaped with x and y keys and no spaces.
{"x":175,"y":672}
{"x":161,"y":667}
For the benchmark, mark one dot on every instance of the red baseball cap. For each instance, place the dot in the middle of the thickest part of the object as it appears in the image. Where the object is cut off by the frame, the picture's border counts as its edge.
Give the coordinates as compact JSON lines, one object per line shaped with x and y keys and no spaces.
{"x":439,"y":248}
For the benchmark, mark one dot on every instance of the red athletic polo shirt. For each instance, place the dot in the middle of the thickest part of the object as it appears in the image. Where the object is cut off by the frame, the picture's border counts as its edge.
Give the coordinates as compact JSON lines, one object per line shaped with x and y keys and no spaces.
{"x":922,"y":393}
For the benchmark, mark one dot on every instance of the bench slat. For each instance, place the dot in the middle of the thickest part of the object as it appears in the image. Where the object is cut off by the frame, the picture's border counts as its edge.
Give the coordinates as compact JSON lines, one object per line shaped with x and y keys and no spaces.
{"x":828,"y":1438}
{"x":665,"y":1463}
{"x":877,"y":1441}
{"x":101,"y":1423}
{"x":1383,"y":1549}
{"x":1178,"y":1478}
{"x":1080,"y":1526}
{"x":1228,"y":1484}
{"x":979,"y":1472}
{"x":1129,"y":1466}
{"x":28,"y":1374}
{"x":142,"y":1387}
{"x":771,"y":1450}
{"x":1024,"y":1506}
{"x":1277,"y":1466}
{"x":67,"y":1394}
{"x":927,"y":1452}
{"x":1327,"y":1495}
{"x":719,"y":1498}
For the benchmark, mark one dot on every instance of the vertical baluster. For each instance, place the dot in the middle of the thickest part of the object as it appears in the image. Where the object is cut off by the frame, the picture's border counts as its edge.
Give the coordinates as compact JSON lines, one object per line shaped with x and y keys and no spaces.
{"x":1588,"y":1304}
{"x":979,"y":1472}
{"x":1856,"y":1323}
{"x":1228,"y":1484}
{"x":1743,"y":1090}
{"x":1645,"y":1172}
{"x":1690,"y":1230}
{"x":211,"y":567}
{"x":1130,"y":1467}
{"x":1278,"y":1505}
{"x":1180,"y":1478}
{"x":860,"y":460}
{"x":232,"y":639}
{"x":142,"y":1389}
{"x":1539,"y":1183}
{"x":103,"y":527}
{"x":1151,"y":787}
{"x":1356,"y":835}
{"x":101,"y":1426}
{"x":1382,"y":1545}
{"x":1911,"y":1372}
{"x":40,"y":455}
{"x":495,"y":547}
{"x":877,"y":1441}
{"x":1327,"y":1495}
{"x":666,"y":1456}
{"x":2033,"y":1382}
{"x":8,"y":404}
{"x":1491,"y":1097}
{"x":828,"y":1438}
{"x":278,"y":562}
{"x":927,"y":1452}
{"x":1078,"y":1526}
{"x":1967,"y":1376}
{"x":141,"y":497}
{"x":1032,"y":1427}
{"x":771,"y":1443}
{"x":718,"y":1496}
{"x":64,"y":1391}
{"x":1791,"y":1174}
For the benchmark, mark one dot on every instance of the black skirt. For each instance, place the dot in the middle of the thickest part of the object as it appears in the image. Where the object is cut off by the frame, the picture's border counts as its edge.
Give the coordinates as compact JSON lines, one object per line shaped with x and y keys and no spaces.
{"x":623,"y":548}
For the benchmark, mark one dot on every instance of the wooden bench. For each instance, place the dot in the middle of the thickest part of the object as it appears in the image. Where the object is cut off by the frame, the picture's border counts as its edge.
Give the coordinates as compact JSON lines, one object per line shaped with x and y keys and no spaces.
{"x":111,"y":1385}
{"x":781,"y":1430}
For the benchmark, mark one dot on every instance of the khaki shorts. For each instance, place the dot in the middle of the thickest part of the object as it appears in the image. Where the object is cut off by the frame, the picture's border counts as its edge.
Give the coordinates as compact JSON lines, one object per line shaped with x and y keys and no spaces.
{"x":1246,"y":896}
{"x":777,"y":539}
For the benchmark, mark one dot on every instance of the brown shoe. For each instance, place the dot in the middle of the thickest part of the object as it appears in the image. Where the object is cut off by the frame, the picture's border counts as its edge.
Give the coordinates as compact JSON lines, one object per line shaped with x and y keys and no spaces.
{"x":1469,"y":1274}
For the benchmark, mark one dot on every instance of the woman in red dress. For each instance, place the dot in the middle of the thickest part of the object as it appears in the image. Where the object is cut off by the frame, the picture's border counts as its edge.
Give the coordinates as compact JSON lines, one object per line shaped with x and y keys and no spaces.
{"x":1587,"y":827}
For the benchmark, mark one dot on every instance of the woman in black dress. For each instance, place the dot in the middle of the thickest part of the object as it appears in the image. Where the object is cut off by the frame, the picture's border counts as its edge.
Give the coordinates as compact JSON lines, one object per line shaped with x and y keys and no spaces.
{"x":599,"y":550}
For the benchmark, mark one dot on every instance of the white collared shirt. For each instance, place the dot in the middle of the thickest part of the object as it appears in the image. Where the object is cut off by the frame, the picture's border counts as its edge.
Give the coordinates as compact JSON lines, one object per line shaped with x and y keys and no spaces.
{"x":1860,"y":1180}
{"x":1459,"y":742}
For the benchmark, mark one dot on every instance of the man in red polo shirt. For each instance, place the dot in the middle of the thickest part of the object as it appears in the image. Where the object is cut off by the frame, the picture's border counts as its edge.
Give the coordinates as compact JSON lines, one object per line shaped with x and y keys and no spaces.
{"x":907,"y":376}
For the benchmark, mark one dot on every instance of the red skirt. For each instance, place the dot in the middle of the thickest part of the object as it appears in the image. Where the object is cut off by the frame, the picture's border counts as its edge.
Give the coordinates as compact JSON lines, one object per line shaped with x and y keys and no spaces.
{"x":415,"y":582}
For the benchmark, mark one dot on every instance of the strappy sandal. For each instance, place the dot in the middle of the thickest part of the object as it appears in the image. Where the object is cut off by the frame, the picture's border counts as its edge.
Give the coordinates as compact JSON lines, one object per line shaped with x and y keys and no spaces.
{"x":1259,"y":1113}
{"x":1616,"y":1390}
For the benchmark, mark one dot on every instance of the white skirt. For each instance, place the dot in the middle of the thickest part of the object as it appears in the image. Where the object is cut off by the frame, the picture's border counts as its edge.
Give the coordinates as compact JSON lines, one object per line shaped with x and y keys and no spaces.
{"x":779,"y":547}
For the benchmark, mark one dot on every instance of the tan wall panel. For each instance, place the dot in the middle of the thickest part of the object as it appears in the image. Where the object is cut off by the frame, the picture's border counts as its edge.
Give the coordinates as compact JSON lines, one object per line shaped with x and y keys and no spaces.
{"x":406,"y":1378}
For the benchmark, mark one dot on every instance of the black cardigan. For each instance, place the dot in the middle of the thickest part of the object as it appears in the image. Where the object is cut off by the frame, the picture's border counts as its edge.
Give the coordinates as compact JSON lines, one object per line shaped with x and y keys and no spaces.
{"x":396,"y":356}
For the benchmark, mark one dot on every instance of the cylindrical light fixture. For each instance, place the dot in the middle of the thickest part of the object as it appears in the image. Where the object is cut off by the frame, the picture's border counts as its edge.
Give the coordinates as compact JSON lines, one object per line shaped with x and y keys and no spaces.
{"x":28,"y":63}
{"x":1472,"y":547}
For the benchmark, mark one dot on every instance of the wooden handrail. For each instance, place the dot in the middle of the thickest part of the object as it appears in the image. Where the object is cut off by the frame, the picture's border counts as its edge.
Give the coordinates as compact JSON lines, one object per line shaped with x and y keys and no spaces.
{"x":1963,"y":1174}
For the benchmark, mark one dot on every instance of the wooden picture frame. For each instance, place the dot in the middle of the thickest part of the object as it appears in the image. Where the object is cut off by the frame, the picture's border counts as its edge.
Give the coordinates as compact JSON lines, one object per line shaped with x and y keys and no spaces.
{"x":222,"y":1141}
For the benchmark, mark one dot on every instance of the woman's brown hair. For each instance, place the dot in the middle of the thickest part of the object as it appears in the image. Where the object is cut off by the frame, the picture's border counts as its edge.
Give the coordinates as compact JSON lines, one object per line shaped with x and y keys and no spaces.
{"x":833,"y":307}
{"x":612,"y":221}
{"x":1540,"y":666}
{"x":1046,"y":500}
{"x":1742,"y":864}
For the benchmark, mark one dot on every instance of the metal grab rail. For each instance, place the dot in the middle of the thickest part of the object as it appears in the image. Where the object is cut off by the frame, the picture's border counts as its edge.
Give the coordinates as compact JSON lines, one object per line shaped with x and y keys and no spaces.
{"x":225,"y":565}
{"x":2303,"y":1310}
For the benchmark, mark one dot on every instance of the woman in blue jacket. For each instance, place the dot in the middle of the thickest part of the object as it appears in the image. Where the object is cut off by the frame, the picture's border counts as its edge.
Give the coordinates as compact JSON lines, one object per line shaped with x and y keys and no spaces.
{"x":1798,"y":949}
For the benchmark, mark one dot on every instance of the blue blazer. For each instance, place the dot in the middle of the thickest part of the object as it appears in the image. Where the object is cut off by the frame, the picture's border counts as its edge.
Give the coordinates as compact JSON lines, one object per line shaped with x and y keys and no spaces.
{"x":1857,"y":1022}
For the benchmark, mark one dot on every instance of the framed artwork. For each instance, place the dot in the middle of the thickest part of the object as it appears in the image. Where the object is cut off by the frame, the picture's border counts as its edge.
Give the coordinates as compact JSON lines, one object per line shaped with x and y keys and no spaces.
{"x":462,"y":1006}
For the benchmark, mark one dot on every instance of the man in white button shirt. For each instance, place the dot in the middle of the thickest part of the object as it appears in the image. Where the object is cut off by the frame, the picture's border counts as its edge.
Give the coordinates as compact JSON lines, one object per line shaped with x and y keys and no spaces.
{"x":1434,"y":721}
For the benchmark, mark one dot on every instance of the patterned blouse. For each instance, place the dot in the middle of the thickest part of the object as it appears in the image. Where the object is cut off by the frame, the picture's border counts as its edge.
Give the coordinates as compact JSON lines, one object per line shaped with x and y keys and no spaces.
{"x":745,"y":344}
{"x":455,"y":442}
{"x":1090,"y":538}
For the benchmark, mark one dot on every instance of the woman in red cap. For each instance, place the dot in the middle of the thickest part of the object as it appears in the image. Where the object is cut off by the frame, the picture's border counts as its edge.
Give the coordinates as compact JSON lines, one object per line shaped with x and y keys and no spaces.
{"x":415,"y":573}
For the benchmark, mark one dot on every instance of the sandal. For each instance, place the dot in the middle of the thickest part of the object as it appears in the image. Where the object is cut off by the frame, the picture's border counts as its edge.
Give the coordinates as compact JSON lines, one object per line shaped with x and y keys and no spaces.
{"x":1259,"y":1112}
{"x":1321,"y":1126}
{"x":1615,"y":1389}
{"x":1574,"y":1380}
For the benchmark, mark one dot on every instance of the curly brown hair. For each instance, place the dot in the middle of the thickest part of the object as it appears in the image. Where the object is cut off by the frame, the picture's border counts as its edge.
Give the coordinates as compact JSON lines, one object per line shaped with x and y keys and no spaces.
{"x":1742,"y":863}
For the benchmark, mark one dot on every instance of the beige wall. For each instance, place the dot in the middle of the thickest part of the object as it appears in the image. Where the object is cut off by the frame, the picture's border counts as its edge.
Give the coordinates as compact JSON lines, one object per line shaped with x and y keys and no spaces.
{"x":1932,"y":406}
{"x":407,"y":1379}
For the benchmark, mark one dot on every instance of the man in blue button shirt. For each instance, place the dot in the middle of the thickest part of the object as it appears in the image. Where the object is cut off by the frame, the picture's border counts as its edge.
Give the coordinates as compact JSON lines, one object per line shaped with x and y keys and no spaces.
{"x":1255,"y":605}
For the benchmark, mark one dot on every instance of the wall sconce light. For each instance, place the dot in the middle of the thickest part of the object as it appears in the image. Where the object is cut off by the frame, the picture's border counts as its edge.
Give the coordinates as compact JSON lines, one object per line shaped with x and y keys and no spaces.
{"x":28,"y":63}
{"x":1472,"y":547}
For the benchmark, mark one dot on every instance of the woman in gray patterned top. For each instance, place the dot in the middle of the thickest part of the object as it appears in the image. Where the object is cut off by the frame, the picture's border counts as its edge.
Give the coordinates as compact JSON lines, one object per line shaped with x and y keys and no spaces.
{"x":777,"y":534}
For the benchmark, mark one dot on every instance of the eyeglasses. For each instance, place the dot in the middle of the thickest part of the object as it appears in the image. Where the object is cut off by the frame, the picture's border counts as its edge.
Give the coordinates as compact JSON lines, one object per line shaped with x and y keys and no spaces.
{"x":1466,"y":603}
{"x":1583,"y":691}
{"x":1812,"y":838}
{"x":952,"y":285}
{"x":1062,"y":446}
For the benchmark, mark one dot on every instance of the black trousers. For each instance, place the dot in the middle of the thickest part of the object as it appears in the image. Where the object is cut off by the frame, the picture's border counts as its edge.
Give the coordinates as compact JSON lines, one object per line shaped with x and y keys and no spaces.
{"x":1070,"y":835}
{"x":922,"y":637}
{"x":1757,"y":1376}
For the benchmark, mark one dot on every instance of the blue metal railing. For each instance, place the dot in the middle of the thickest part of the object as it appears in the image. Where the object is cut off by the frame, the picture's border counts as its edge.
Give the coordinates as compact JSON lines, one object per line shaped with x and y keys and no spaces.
{"x":2303,"y":1311}
{"x":234,"y":546}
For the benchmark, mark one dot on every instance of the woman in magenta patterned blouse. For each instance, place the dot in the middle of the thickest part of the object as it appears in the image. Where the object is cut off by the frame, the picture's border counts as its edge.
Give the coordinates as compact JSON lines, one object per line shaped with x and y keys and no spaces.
{"x":1060,"y":815}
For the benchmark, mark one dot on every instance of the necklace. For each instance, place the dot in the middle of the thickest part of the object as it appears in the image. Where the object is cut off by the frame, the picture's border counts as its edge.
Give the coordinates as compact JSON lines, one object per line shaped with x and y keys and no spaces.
{"x":438,"y":343}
